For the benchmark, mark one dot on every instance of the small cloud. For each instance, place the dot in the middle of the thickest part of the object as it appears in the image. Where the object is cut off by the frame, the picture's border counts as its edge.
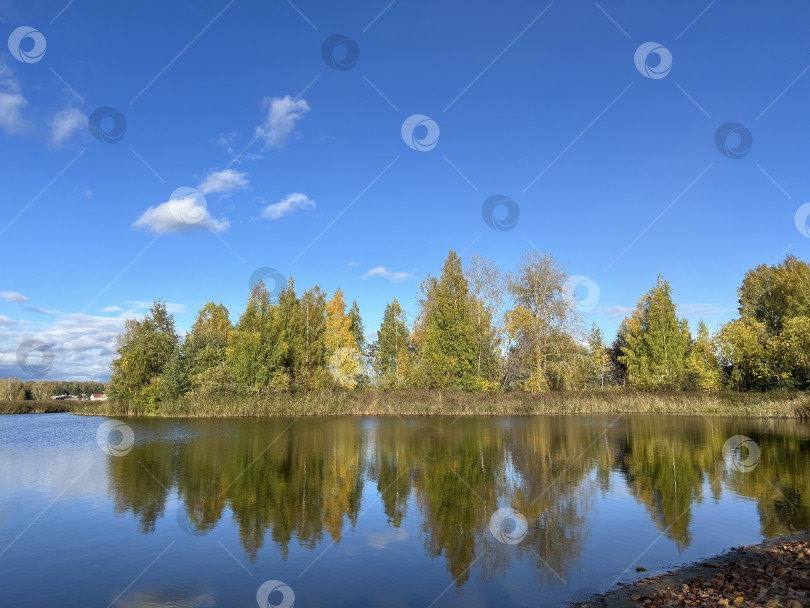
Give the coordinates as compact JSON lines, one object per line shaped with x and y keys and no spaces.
{"x":352,"y":264}
{"x":702,"y":310}
{"x":382,"y":271}
{"x":12,"y":101}
{"x":226,"y":141}
{"x":43,"y":311}
{"x":13,"y":296}
{"x":64,"y":123}
{"x":614,"y":312}
{"x":6,"y":322}
{"x":182,"y":215}
{"x":112,"y":309}
{"x":381,"y":540}
{"x":223,"y":182}
{"x":171,"y":307}
{"x":287,"y":205}
{"x":282,"y":114}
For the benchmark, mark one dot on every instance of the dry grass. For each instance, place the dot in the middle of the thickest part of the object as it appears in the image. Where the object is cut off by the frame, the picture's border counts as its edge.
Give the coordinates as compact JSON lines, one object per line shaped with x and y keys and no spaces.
{"x":453,"y":403}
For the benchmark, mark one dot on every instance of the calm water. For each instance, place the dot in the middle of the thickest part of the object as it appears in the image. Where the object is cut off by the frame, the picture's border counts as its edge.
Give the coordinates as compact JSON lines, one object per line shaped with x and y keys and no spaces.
{"x":380,"y":511}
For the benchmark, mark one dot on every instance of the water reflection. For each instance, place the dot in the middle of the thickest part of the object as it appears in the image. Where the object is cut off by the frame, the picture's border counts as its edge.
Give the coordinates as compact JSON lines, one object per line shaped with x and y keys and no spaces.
{"x":309,"y":481}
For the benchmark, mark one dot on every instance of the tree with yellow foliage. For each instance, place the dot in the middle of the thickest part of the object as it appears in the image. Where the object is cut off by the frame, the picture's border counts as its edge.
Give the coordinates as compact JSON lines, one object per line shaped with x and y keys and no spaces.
{"x":345,"y":360}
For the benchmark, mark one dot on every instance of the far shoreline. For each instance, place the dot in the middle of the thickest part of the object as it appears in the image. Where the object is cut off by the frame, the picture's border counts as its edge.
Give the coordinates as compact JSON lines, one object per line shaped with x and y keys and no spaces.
{"x":375,"y":402}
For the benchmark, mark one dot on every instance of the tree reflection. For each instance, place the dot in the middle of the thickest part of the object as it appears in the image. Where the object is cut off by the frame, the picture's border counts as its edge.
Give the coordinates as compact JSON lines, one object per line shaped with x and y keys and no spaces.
{"x":303,"y":481}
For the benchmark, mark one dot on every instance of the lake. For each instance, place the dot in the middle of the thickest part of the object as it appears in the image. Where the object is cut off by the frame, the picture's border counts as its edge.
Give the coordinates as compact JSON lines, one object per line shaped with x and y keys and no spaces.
{"x":359,"y":512}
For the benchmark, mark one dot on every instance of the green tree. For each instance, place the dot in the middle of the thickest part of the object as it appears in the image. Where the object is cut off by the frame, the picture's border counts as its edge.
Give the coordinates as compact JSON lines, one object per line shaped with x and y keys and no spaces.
{"x":598,"y":358}
{"x":656,"y":341}
{"x":790,"y":353}
{"x":251,"y":355}
{"x":144,"y":349}
{"x":175,"y":381}
{"x":543,"y":327}
{"x":773,"y":294}
{"x":356,"y":326}
{"x":392,"y":358}
{"x":702,"y":369}
{"x":312,"y":324}
{"x":449,"y":349}
{"x":741,"y":347}
{"x":207,"y":342}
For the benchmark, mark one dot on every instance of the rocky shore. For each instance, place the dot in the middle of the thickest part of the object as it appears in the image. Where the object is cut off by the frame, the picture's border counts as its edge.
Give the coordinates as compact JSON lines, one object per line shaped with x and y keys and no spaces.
{"x":771,"y":574}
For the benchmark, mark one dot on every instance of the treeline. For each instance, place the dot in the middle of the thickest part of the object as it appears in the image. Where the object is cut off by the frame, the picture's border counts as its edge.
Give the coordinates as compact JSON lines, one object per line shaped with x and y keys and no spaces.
{"x":476,"y":328}
{"x":14,"y":389}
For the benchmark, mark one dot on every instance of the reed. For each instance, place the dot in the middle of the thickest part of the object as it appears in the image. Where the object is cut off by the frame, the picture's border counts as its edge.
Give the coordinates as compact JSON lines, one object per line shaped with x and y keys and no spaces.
{"x":35,"y":407}
{"x":453,"y":403}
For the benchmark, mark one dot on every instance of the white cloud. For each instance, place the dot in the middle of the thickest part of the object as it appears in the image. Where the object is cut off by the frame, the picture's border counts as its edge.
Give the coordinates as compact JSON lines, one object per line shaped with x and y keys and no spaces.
{"x":13,"y":296}
{"x":382,"y":271}
{"x":223,"y":181}
{"x":43,"y":311}
{"x":182,"y":215}
{"x":112,"y":309}
{"x":171,"y":307}
{"x":614,"y":312}
{"x":226,"y":141}
{"x":282,"y":114}
{"x":288,"y":204}
{"x":64,"y":123}
{"x":352,"y":264}
{"x":83,"y":346}
{"x":703,"y":310}
{"x":12,"y":101}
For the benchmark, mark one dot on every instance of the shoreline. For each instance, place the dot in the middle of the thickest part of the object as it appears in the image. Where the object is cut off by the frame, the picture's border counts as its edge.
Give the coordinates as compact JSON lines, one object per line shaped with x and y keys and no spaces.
{"x":372,"y":402}
{"x":735,"y":577}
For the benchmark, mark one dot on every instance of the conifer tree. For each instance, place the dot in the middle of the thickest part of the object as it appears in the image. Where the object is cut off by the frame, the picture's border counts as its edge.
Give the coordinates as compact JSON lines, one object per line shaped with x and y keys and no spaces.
{"x":449,"y":348}
{"x":656,"y":341}
{"x":392,"y":347}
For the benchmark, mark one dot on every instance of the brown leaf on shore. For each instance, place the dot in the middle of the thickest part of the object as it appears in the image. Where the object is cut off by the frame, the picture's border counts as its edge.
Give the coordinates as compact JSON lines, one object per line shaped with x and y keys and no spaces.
{"x":770,"y":579}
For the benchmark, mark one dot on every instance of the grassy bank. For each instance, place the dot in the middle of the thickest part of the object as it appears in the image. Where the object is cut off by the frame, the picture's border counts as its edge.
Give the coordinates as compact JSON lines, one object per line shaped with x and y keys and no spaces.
{"x":36,"y":407}
{"x":451,"y":403}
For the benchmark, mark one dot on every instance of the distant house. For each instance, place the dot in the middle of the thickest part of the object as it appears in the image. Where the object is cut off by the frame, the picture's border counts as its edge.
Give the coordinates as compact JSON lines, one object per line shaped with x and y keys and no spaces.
{"x":98,"y":397}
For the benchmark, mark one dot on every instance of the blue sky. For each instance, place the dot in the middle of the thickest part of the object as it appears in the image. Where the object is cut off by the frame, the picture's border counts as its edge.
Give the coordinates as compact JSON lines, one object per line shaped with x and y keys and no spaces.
{"x":303,"y":168}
